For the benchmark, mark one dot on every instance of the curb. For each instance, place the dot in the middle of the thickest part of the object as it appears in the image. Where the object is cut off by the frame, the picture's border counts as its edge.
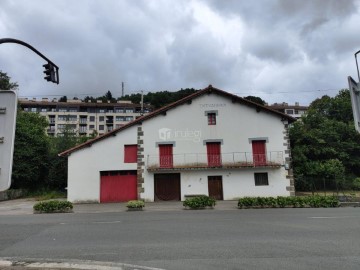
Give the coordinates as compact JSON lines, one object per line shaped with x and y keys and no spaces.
{"x":69,"y":264}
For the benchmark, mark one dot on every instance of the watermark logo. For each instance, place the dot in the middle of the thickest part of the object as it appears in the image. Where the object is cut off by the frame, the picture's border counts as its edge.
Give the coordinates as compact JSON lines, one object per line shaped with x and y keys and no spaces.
{"x":166,"y":134}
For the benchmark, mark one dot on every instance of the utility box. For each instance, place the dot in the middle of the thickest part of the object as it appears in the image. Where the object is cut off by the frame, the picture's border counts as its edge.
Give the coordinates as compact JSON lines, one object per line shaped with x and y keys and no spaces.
{"x":8,"y":108}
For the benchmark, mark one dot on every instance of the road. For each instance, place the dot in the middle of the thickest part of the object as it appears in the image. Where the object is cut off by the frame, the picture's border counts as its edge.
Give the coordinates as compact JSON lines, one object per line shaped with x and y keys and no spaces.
{"x":202,"y":239}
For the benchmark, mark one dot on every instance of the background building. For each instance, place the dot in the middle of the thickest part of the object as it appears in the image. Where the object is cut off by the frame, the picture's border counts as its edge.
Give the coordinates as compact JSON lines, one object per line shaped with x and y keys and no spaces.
{"x":295,"y":111}
{"x":83,"y":117}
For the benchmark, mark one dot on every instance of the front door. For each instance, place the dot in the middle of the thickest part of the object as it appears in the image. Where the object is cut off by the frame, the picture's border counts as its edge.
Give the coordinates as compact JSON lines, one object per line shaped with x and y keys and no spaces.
{"x":215,"y":187}
{"x":167,"y":187}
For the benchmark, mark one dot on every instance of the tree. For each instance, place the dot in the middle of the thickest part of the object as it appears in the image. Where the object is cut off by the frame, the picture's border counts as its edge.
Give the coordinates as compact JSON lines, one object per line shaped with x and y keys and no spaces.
{"x":5,"y":83}
{"x":30,"y":151}
{"x":257,"y":100}
{"x":63,"y":99}
{"x":325,"y":144}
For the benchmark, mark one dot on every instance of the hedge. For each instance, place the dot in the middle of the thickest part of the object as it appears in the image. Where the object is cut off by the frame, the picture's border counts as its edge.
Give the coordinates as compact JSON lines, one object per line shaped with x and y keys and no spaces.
{"x":135,"y":204}
{"x":307,"y":201}
{"x":199,"y":202}
{"x":53,"y":207}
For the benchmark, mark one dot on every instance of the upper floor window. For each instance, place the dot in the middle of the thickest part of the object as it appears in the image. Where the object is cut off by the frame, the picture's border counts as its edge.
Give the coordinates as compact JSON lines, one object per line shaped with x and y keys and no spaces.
{"x":101,"y":118}
{"x":211,"y":118}
{"x":130,"y":153}
{"x":92,"y":118}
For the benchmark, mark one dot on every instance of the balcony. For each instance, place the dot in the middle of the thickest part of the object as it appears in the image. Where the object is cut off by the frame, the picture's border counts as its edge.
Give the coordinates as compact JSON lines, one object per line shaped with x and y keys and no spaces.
{"x":197,"y":161}
{"x":83,"y":121}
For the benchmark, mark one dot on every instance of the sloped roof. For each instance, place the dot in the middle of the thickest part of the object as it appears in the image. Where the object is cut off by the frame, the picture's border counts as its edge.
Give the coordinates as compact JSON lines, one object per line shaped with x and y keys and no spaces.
{"x":209,"y":89}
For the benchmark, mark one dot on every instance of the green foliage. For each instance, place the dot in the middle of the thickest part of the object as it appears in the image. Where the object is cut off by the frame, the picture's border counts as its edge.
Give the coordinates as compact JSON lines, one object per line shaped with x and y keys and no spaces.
{"x":63,"y":99}
{"x":310,"y":201}
{"x":199,"y":202}
{"x":53,"y":207}
{"x":5,"y":82}
{"x":30,"y":163}
{"x":160,"y":99}
{"x":356,"y":183}
{"x":135,"y":204}
{"x":257,"y":100}
{"x":325,"y":144}
{"x":46,"y":194}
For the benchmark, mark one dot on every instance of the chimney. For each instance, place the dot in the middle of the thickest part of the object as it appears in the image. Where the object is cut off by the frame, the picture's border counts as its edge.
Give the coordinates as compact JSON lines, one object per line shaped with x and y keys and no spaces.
{"x":296,"y":103}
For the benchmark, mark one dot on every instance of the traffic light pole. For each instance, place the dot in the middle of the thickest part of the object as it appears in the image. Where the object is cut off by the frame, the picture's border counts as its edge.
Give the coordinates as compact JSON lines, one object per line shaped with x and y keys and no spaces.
{"x":12,"y":40}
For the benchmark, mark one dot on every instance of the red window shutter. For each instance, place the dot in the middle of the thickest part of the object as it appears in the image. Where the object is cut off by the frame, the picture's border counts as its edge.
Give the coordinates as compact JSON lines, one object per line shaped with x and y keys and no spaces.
{"x":130,"y":153}
{"x":166,"y":155}
{"x":211,"y":119}
{"x":213,"y":154}
{"x":259,"y":153}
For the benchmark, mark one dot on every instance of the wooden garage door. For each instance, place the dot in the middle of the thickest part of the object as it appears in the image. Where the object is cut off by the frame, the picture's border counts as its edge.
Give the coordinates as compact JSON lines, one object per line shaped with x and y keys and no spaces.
{"x":118,"y":186}
{"x":167,"y":187}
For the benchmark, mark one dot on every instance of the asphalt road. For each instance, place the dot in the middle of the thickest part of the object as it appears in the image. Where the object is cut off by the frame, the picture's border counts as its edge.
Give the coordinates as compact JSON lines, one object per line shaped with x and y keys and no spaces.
{"x":202,"y":239}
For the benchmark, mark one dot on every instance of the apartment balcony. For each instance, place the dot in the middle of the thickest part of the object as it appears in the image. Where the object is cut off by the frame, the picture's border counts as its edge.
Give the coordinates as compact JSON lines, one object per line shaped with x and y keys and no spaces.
{"x":235,"y":160}
{"x":83,"y":121}
{"x":50,"y":130}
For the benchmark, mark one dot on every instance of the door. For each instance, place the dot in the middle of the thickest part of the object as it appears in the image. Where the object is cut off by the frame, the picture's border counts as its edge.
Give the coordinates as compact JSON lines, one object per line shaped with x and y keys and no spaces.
{"x":215,"y":187}
{"x":213,"y":154}
{"x":166,"y":155}
{"x":167,"y":187}
{"x":118,"y":186}
{"x":259,"y":153}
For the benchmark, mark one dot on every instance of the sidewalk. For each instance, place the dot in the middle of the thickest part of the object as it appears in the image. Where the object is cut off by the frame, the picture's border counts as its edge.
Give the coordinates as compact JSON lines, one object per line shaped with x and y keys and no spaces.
{"x":25,"y":207}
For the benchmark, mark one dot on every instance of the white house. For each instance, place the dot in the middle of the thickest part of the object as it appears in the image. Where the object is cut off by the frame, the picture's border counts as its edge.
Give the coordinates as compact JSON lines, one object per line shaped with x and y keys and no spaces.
{"x":211,"y":142}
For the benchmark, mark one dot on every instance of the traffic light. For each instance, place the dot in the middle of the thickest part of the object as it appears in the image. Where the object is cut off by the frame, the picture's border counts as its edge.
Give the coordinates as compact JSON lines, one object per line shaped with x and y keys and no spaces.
{"x":50,"y":73}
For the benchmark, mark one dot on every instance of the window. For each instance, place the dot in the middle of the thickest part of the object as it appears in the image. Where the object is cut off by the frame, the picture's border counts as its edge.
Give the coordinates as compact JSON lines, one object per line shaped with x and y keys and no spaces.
{"x":166,"y":155}
{"x":101,"y":110}
{"x":120,"y":118}
{"x":259,"y":152}
{"x":73,"y":110}
{"x":91,"y":127}
{"x":43,"y":109}
{"x":261,"y":179}
{"x":92,"y":118}
{"x":101,"y":127}
{"x":33,"y":109}
{"x":130,"y":153}
{"x":213,"y":154}
{"x":211,"y":119}
{"x":129,"y":118}
{"x":62,"y":109}
{"x":289,"y":111}
{"x":129,"y":110}
{"x":101,"y":118}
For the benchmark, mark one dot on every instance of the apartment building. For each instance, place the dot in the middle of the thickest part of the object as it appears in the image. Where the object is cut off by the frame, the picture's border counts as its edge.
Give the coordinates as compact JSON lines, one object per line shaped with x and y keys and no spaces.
{"x":295,"y":111}
{"x":84,"y":118}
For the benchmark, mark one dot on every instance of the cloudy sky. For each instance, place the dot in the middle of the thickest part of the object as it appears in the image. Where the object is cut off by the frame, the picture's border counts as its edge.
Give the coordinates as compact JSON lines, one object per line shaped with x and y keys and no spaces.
{"x":279,"y":50}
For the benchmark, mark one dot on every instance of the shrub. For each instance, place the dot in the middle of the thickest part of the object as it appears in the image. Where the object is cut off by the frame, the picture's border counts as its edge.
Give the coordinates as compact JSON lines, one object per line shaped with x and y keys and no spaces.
{"x":199,"y":202}
{"x":53,"y":207}
{"x":312,"y":201}
{"x":135,"y":204}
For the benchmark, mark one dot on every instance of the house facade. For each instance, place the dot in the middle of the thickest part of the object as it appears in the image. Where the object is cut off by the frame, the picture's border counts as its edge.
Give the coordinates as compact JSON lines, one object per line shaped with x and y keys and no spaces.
{"x":209,"y":143}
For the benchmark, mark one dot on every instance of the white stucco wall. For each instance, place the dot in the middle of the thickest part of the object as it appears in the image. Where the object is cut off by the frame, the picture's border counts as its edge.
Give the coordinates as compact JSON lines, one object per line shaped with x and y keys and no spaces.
{"x":85,"y":165}
{"x":187,"y":127}
{"x":235,"y":125}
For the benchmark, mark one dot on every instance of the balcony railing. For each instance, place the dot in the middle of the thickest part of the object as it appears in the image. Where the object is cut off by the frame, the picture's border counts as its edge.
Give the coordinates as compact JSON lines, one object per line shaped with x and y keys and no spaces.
{"x":205,"y":161}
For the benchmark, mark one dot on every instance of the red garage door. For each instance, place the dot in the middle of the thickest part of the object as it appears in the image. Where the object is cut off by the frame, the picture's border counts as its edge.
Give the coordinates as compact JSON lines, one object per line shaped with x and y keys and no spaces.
{"x":118,"y":186}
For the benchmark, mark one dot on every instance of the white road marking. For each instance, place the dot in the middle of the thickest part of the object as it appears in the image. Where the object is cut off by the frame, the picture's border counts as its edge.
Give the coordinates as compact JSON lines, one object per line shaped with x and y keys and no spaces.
{"x":106,"y":222}
{"x":334,"y":217}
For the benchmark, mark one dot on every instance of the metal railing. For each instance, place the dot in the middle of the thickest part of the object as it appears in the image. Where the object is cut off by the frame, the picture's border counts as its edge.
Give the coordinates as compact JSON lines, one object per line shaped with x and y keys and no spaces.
{"x":224,"y":160}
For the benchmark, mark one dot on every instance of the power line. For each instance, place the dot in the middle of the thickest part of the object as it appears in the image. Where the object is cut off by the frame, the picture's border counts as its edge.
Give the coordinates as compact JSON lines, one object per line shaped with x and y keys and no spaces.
{"x":236,"y":93}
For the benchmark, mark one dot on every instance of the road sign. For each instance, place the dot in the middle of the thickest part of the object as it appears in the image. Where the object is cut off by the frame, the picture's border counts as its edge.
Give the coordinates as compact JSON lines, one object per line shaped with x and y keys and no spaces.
{"x":355,"y":101}
{"x":8,"y":107}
